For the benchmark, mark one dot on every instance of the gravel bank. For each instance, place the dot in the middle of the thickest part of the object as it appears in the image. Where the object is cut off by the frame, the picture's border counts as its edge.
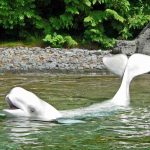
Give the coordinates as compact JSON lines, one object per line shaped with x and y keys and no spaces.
{"x":24,"y":59}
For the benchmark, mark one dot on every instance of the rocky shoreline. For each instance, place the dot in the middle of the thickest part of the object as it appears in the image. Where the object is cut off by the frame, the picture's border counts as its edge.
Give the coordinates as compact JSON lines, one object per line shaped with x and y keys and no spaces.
{"x":36,"y":59}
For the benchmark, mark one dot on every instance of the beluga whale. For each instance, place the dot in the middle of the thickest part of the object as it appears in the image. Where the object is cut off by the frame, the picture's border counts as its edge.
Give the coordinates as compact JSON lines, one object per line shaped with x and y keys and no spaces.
{"x":24,"y":103}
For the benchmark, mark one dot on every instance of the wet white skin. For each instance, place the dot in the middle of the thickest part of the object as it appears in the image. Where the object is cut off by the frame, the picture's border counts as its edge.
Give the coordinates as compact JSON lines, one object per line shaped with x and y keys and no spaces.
{"x":116,"y":63}
{"x":24,"y":103}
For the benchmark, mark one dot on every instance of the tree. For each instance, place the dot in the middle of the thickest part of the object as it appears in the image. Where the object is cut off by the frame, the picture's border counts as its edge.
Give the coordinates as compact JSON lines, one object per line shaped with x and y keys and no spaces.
{"x":62,"y":22}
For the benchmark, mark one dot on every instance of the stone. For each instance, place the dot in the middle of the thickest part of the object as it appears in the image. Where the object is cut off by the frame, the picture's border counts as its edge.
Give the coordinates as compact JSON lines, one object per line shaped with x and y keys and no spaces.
{"x":53,"y":65}
{"x":143,"y":41}
{"x":125,"y":47}
{"x":96,"y":52}
{"x":140,"y":45}
{"x":49,"y":59}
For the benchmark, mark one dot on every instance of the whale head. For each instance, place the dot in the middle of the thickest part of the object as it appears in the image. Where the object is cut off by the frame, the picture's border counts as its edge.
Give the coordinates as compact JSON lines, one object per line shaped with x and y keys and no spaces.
{"x":24,"y":103}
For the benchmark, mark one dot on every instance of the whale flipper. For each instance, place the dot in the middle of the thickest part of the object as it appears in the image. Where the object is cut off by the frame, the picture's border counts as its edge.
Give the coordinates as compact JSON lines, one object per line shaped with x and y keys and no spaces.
{"x":116,"y":63}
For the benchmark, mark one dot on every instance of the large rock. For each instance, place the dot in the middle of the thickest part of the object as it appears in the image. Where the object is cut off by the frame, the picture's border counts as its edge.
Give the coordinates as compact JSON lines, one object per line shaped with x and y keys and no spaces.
{"x":140,"y":45}
{"x":125,"y":47}
{"x":143,"y":41}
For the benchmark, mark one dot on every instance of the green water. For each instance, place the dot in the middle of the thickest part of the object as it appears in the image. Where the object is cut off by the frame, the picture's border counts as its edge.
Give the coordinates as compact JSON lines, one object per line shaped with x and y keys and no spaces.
{"x":126,"y":129}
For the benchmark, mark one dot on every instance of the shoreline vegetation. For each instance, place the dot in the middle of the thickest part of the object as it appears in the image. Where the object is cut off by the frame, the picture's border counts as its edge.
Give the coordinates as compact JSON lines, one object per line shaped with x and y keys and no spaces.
{"x":40,"y":43}
{"x":4,"y":44}
{"x":91,"y":24}
{"x":69,"y":35}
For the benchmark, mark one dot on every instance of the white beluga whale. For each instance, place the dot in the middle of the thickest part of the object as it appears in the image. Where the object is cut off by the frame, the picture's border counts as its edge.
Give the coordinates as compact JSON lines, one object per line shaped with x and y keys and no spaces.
{"x":23,"y":103}
{"x":26,"y":104}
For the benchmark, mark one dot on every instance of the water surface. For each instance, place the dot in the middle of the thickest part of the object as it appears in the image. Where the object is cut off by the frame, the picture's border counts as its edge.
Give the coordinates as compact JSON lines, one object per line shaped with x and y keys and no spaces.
{"x":126,"y":129}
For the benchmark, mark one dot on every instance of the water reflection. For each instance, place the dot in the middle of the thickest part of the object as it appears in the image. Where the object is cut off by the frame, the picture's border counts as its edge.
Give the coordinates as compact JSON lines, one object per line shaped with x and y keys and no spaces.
{"x":133,"y":132}
{"x":22,"y":130}
{"x":127,"y":129}
{"x":136,"y":123}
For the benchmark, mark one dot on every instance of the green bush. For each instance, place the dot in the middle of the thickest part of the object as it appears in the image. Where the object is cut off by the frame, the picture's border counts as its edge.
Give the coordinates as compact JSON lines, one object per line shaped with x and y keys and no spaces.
{"x":63,"y":22}
{"x":60,"y":41}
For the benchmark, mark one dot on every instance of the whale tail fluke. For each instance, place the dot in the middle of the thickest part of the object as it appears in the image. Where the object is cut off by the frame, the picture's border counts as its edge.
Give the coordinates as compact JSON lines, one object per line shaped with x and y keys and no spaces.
{"x":116,"y":63}
{"x":138,"y":64}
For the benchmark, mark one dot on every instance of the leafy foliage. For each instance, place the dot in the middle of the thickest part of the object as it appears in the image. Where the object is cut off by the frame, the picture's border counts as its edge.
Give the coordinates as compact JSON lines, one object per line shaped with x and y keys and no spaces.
{"x":14,"y":13}
{"x":55,"y":40}
{"x":60,"y":41}
{"x":60,"y":21}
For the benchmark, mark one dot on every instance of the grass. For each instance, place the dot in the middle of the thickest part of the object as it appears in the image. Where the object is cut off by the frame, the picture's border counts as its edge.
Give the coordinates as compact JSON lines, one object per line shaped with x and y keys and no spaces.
{"x":39,"y":44}
{"x":35,"y":41}
{"x":11,"y":44}
{"x":30,"y":42}
{"x":21,"y":44}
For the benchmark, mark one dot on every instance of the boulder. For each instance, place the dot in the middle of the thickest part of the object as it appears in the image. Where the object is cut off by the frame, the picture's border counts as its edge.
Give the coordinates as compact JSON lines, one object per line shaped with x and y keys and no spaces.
{"x":141,"y":44}
{"x":143,"y":41}
{"x":125,"y":47}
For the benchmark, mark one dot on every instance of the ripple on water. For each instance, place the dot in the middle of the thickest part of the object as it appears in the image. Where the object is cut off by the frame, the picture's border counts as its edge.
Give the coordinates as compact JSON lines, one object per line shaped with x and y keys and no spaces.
{"x":21,"y":130}
{"x":130,"y":129}
{"x":127,"y":129}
